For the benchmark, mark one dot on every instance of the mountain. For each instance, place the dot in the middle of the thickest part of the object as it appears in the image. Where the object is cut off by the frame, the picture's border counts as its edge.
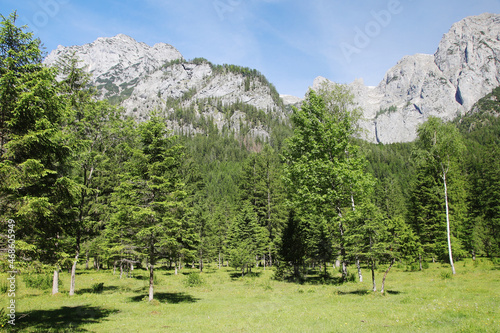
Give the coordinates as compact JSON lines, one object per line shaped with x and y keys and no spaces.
{"x":234,"y":99}
{"x":143,"y":78}
{"x":465,"y":67}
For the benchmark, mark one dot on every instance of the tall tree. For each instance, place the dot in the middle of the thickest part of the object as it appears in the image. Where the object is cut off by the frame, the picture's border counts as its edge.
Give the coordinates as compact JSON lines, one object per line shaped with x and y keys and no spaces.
{"x":440,"y":145}
{"x":247,"y":239}
{"x":323,"y":169}
{"x":34,"y":163}
{"x":151,"y":193}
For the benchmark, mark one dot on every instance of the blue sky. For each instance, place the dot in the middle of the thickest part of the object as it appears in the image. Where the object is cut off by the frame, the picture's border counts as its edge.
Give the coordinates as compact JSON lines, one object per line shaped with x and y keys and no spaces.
{"x":290,"y":41}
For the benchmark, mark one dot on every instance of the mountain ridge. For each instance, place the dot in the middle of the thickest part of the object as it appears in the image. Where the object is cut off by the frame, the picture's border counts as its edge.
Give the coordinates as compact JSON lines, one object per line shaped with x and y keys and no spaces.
{"x":464,"y":68}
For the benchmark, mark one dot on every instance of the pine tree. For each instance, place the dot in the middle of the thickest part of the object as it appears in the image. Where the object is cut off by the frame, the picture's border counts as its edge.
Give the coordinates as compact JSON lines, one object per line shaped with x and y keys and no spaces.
{"x":34,"y":165}
{"x":246,"y":239}
{"x":150,"y":196}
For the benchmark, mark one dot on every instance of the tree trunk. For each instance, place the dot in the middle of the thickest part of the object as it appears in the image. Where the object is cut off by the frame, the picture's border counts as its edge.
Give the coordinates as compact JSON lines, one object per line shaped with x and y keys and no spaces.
{"x":73,"y":275}
{"x":151,"y":283}
{"x":386,"y":272}
{"x":55,"y":282}
{"x":219,"y":260}
{"x":448,"y":222}
{"x":420,"y":261}
{"x":270,"y":257}
{"x":473,"y":255}
{"x":201,"y":261}
{"x":359,"y":269}
{"x":87,"y":259}
{"x":373,"y":276}
{"x":342,"y":248}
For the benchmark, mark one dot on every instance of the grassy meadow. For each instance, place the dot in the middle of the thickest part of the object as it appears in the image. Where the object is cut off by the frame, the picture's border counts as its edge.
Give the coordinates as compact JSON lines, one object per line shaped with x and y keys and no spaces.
{"x":223,"y":301}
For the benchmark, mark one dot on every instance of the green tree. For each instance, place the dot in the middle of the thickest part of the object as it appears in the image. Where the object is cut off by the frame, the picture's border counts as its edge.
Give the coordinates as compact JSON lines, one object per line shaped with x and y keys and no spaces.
{"x":440,"y":145}
{"x":246,"y":239}
{"x":261,"y":186}
{"x":323,"y":169}
{"x":34,"y":165}
{"x":150,"y":196}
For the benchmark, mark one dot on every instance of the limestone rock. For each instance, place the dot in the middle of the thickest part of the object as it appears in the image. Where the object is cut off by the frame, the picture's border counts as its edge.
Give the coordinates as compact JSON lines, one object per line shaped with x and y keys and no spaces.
{"x":465,"y":68}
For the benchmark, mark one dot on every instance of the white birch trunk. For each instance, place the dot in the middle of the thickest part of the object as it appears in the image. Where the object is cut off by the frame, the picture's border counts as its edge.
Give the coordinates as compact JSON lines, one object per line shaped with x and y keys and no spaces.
{"x":151,"y":283}
{"x":359,"y":269}
{"x":73,"y":275}
{"x":448,"y":223}
{"x":55,"y":282}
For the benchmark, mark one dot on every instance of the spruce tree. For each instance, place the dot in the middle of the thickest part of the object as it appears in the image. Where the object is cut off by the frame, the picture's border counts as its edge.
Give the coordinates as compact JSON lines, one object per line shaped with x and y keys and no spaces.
{"x":36,"y":189}
{"x":151,"y":193}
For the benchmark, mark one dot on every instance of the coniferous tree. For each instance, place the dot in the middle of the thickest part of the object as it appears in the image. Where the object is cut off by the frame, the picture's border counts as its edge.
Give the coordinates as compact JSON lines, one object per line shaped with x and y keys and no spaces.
{"x":246,"y":239}
{"x":34,"y":164}
{"x":150,"y":196}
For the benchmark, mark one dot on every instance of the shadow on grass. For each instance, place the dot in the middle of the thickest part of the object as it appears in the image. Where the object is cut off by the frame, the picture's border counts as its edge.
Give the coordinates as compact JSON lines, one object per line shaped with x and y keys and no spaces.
{"x":93,"y":291}
{"x":171,"y":298}
{"x":393,"y":292}
{"x":359,"y":292}
{"x":237,"y":275}
{"x":65,"y":319}
{"x":364,"y":292}
{"x":323,"y":280}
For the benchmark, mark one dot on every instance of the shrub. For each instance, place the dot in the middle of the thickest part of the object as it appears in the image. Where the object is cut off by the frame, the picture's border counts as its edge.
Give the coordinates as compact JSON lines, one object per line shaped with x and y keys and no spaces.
{"x":38,"y":281}
{"x":351,"y":277}
{"x":193,"y":280}
{"x":3,"y":317}
{"x":97,"y":287}
{"x":4,"y":287}
{"x":446,"y":275}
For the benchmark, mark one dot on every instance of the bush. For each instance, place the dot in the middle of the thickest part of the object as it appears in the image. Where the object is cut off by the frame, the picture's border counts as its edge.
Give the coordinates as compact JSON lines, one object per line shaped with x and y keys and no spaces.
{"x":38,"y":281}
{"x":446,"y":275}
{"x":351,"y":277}
{"x":3,"y":317}
{"x":193,"y":280}
{"x":97,"y":287}
{"x":4,"y":287}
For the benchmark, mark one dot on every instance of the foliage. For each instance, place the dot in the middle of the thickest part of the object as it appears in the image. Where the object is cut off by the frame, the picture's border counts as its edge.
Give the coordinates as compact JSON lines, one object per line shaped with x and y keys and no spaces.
{"x":97,"y":288}
{"x":193,"y":280}
{"x":38,"y":281}
{"x":323,"y":169}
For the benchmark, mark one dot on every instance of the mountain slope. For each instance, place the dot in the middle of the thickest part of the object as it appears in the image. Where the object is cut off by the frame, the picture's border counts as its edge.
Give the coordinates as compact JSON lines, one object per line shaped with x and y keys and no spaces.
{"x":465,"y":67}
{"x":143,"y":78}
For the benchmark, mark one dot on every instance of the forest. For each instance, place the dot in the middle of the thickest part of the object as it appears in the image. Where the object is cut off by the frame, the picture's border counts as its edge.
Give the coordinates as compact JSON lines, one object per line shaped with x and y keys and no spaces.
{"x":92,"y":189}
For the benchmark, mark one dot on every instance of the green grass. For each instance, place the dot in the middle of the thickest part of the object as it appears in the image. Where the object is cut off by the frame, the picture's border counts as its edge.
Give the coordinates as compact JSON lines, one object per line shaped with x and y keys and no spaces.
{"x":224,"y":302}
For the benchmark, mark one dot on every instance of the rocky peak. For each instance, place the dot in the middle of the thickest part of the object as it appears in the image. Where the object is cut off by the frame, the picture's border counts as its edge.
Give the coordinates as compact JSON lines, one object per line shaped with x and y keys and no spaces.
{"x":465,"y":68}
{"x":143,"y":78}
{"x":469,"y":54}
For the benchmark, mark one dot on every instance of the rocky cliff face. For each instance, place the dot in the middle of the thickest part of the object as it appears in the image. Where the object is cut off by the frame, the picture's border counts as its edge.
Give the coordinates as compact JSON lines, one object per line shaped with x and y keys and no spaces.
{"x":143,"y":78}
{"x":465,"y":68}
